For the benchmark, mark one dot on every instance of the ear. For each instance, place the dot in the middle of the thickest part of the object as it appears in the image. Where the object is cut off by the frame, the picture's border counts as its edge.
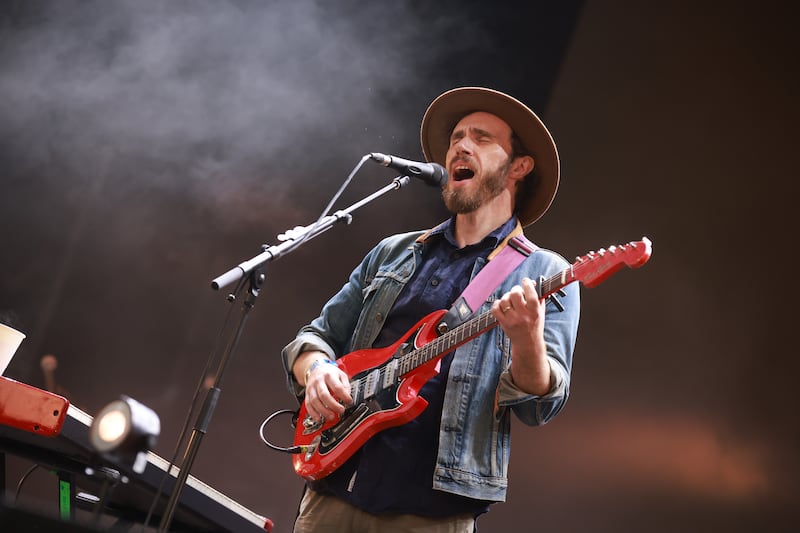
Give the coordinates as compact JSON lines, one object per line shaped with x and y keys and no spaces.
{"x":521,"y":166}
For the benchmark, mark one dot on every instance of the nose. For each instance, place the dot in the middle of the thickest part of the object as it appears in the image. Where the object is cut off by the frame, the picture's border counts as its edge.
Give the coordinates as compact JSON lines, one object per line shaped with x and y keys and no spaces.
{"x":462,"y":146}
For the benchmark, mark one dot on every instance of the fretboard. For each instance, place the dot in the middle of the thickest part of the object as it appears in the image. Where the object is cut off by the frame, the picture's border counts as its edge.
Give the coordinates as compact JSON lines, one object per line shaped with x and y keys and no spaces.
{"x":473,"y":327}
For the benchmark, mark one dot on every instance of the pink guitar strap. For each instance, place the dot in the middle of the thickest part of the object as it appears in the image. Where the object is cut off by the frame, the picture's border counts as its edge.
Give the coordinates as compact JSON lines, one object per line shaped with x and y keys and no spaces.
{"x":490,"y":276}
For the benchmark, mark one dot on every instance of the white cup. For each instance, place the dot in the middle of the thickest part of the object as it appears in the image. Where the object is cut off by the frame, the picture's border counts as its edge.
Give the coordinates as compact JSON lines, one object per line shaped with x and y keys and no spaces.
{"x":10,"y":339}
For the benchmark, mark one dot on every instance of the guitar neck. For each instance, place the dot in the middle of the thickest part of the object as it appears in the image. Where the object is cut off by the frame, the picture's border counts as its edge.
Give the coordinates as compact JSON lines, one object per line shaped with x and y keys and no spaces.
{"x":553,"y":284}
{"x":474,"y":327}
{"x":590,"y":270}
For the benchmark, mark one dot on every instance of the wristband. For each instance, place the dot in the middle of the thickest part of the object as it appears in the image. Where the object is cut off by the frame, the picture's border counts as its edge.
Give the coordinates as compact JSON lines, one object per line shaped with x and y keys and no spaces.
{"x":313,"y":366}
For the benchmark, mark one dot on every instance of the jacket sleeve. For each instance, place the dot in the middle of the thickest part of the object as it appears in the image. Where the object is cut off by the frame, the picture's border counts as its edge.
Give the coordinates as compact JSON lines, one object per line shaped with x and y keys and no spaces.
{"x":332,"y":332}
{"x":560,"y":333}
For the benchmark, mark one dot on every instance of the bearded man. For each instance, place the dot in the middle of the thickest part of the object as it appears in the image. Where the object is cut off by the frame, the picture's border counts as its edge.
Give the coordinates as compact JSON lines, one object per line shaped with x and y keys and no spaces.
{"x":441,"y":470}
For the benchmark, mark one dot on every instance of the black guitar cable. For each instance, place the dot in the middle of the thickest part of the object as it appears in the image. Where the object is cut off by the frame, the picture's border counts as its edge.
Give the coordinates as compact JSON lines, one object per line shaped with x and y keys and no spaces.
{"x":290,"y":449}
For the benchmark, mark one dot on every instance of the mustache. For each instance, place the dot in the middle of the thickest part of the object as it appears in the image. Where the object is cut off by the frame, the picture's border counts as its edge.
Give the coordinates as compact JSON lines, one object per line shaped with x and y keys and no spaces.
{"x":463,"y":159}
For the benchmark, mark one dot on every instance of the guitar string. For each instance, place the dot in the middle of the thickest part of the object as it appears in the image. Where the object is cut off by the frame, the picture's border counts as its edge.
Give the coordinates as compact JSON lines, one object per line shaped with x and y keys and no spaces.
{"x":422,"y":355}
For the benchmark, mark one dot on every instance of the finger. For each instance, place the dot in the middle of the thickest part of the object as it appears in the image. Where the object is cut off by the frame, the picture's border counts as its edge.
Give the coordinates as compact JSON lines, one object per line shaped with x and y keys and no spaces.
{"x":529,"y":288}
{"x":338,"y":386}
{"x":344,"y":389}
{"x":516,"y":297}
{"x":497,"y":310}
{"x":318,"y":411}
{"x":318,"y":400}
{"x":501,"y":306}
{"x":313,"y":409}
{"x":330,"y":404}
{"x":325,"y":385}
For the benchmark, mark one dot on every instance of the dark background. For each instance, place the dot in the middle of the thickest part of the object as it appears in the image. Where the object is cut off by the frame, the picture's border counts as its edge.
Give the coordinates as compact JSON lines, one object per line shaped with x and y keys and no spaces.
{"x":147,"y":147}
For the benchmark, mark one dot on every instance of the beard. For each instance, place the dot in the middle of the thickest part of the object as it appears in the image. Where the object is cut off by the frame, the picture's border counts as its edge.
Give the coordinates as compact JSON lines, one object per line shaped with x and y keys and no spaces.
{"x":461,"y":201}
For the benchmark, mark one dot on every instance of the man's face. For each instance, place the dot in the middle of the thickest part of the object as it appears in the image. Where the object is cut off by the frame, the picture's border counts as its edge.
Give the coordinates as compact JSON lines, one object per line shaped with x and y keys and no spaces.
{"x":478,"y":162}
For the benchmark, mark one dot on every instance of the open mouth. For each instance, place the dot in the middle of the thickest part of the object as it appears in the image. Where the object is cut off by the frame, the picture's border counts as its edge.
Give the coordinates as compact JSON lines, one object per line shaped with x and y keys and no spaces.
{"x":462,"y":172}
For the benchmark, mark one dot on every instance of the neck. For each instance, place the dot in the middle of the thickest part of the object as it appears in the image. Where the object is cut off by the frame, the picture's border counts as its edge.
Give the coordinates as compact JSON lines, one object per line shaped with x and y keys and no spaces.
{"x":471,"y":228}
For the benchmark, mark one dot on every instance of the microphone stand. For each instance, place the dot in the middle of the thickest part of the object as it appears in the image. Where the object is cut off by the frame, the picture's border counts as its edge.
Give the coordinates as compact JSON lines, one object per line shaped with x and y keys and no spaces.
{"x":253,"y":270}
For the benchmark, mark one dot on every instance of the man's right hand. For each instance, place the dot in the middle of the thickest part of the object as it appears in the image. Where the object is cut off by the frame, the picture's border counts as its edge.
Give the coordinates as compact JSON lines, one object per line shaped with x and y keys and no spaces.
{"x":327,"y":386}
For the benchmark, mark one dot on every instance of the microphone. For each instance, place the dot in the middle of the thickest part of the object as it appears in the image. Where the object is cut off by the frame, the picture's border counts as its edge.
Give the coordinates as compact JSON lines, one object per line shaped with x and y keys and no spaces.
{"x":431,"y":173}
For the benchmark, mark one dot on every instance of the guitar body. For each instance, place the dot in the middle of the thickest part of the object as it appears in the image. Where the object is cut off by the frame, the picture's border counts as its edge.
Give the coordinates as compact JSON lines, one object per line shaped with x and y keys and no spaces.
{"x":383,"y":398}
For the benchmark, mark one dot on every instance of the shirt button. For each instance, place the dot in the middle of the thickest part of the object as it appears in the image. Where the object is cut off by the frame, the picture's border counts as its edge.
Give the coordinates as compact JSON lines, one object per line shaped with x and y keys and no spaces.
{"x":378,"y":317}
{"x":434,"y":282}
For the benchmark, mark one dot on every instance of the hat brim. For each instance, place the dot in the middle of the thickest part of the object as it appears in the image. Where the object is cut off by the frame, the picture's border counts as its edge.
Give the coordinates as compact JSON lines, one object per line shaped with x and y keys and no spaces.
{"x":450,"y":107}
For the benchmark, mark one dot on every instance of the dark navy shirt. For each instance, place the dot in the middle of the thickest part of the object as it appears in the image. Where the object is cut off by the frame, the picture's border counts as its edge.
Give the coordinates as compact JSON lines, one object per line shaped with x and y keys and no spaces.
{"x":393,"y":471}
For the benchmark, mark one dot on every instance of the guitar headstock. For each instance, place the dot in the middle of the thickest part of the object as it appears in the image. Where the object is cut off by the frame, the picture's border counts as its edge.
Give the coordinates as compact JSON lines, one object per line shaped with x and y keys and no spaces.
{"x":595,"y":267}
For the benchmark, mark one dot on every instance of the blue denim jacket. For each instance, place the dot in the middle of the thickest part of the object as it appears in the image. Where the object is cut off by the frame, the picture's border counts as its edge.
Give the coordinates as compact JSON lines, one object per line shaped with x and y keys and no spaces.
{"x":474,"y":436}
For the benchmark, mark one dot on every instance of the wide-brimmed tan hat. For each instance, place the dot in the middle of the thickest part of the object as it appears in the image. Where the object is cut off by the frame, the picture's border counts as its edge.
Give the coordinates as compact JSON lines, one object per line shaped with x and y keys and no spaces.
{"x":450,"y":107}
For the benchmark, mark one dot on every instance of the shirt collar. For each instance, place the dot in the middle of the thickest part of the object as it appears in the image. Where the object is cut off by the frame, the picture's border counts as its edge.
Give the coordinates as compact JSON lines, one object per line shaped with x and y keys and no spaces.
{"x":499,"y":236}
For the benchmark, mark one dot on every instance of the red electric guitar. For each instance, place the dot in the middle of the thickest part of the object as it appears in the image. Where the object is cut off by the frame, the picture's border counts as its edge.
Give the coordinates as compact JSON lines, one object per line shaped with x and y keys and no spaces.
{"x":384,"y":382}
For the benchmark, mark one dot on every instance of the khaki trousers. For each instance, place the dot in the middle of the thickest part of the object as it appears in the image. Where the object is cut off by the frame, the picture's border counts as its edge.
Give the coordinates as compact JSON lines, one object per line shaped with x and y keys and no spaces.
{"x":325,"y":514}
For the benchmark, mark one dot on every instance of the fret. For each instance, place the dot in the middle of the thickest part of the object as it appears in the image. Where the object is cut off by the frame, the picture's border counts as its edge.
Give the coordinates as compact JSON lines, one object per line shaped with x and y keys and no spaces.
{"x":477,"y":325}
{"x":464,"y":332}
